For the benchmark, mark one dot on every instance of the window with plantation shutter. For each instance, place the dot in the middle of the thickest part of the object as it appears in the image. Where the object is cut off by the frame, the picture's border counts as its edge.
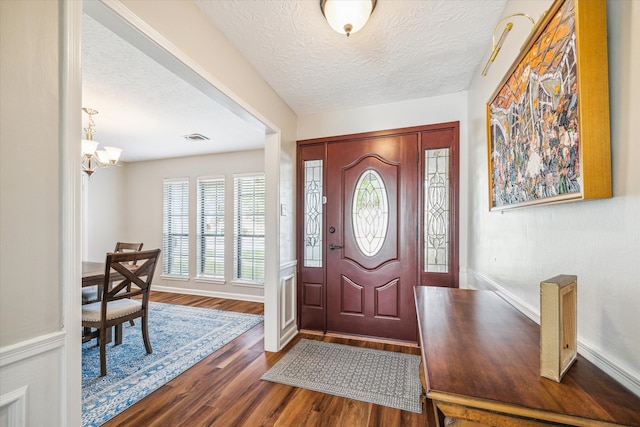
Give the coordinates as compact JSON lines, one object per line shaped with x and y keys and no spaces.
{"x":210,"y":241}
{"x":249,"y":227}
{"x":175,"y":227}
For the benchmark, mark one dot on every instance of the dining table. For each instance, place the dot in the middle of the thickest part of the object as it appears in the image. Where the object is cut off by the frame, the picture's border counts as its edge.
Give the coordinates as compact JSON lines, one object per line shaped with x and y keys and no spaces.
{"x":93,"y":273}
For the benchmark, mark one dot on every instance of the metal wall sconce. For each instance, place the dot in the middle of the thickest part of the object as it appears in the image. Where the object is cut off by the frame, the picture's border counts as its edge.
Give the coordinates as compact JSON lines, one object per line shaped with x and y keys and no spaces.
{"x":503,"y":36}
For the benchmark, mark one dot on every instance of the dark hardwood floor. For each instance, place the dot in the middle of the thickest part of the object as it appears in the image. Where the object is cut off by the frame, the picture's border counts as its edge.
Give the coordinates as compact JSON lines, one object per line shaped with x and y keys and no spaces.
{"x":225,"y":389}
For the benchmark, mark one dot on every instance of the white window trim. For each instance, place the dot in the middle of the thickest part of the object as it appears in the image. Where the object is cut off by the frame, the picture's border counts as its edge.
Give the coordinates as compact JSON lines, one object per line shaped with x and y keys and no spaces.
{"x":247,"y":283}
{"x":199,"y":277}
{"x":211,"y":280}
{"x":235,"y":281}
{"x":168,"y":276}
{"x":175,"y":277}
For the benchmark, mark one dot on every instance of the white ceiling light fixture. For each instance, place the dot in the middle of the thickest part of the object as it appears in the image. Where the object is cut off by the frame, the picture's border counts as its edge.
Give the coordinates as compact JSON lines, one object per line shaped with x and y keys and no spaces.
{"x":92,"y":158}
{"x":347,"y":16}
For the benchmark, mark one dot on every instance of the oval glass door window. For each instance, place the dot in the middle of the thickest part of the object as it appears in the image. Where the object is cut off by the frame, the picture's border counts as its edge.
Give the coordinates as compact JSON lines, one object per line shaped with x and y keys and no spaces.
{"x":370,"y":212}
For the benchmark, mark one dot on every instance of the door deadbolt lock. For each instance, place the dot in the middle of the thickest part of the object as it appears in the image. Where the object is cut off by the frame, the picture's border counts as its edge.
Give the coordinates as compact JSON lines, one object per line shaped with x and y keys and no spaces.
{"x":332,"y":230}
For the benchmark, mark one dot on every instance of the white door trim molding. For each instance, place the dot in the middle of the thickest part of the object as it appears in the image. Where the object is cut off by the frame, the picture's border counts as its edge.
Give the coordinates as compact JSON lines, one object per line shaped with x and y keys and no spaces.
{"x":70,"y":227}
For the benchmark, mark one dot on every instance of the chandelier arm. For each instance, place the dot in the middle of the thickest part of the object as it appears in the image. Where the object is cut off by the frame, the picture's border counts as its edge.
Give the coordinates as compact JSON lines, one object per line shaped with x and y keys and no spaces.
{"x":91,"y":161}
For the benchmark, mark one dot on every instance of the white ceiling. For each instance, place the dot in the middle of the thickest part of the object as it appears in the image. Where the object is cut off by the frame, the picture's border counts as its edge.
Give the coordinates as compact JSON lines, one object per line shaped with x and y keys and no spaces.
{"x":147,"y":110}
{"x":409,"y":49}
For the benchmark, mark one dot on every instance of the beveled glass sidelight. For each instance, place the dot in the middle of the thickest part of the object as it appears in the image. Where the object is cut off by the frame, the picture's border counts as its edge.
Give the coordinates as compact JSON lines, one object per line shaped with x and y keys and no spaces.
{"x":436,"y":210}
{"x":370,"y":212}
{"x":313,"y":213}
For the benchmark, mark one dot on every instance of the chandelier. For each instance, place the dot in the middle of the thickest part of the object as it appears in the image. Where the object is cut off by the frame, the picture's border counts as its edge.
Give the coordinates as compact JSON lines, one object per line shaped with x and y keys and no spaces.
{"x":92,"y":158}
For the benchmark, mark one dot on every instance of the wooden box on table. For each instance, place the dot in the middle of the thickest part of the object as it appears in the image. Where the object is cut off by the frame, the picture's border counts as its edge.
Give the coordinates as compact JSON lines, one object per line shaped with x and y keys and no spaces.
{"x":558,"y":325}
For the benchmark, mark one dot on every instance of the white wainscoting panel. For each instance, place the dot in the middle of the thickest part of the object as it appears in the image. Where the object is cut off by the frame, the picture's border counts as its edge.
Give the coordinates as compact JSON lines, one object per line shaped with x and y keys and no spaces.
{"x":288,"y":316}
{"x":13,"y":408}
{"x":27,"y":371}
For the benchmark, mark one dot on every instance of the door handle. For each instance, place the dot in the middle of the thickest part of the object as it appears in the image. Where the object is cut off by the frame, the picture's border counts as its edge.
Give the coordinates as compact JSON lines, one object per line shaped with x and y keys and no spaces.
{"x":332,"y":247}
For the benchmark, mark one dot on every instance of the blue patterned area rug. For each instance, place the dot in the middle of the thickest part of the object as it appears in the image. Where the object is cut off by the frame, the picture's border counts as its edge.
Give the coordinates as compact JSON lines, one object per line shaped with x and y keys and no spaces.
{"x":180,"y":336}
{"x":375,"y":376}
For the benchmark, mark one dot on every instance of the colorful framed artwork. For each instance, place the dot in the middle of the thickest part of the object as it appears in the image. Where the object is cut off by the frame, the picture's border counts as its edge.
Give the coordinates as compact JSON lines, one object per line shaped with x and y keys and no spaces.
{"x":548,"y":121}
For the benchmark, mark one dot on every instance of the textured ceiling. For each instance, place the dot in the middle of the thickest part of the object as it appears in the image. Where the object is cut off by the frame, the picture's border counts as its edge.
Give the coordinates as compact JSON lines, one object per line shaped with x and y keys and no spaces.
{"x":145,"y":109}
{"x":408,"y":49}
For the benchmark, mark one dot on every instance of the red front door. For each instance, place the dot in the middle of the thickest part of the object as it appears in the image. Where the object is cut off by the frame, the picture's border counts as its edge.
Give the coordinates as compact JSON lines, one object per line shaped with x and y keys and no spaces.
{"x":372,"y":224}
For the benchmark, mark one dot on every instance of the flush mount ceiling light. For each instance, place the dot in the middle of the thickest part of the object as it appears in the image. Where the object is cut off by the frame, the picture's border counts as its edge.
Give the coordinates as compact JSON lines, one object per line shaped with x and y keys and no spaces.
{"x":347,"y":16}
{"x":92,"y":158}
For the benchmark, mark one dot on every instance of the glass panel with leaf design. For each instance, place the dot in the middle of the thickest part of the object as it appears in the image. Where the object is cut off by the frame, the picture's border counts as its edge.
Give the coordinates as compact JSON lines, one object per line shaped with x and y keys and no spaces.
{"x":436,"y":211}
{"x":370,"y":212}
{"x":313,"y":213}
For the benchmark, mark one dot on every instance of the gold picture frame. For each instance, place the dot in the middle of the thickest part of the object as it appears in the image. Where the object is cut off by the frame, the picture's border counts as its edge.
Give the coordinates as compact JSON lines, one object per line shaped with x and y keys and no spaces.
{"x":548,"y":121}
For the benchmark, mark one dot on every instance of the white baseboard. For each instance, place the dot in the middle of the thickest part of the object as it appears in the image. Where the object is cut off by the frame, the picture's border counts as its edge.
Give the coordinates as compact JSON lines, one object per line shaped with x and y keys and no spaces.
{"x":489,"y":284}
{"x":613,"y":370}
{"x":213,"y":294}
{"x":480,"y":281}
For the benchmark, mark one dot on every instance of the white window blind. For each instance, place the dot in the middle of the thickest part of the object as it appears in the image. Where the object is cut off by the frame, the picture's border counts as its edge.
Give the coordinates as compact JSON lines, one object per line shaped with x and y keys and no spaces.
{"x":210,"y":246}
{"x":249,"y":226}
{"x":175,"y":227}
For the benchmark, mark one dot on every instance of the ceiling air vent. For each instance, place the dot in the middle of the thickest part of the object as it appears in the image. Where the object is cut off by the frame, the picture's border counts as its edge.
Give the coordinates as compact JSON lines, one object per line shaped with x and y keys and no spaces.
{"x":196,"y":137}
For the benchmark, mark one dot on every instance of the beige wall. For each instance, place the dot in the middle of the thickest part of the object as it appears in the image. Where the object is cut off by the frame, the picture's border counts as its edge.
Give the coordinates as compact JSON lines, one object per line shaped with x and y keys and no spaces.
{"x":599,"y":241}
{"x":30,"y":240}
{"x":29,"y":194}
{"x":105,"y":218}
{"x":143,"y":208}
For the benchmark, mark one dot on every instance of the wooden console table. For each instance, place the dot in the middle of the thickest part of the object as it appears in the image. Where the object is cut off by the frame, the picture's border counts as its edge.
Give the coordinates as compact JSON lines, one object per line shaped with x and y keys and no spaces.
{"x":481,"y":361}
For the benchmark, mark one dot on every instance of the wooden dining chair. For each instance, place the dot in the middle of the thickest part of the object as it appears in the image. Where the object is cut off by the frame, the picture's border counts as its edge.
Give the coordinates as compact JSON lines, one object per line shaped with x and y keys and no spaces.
{"x":117,"y":304}
{"x":128,"y":247}
{"x":92,"y":293}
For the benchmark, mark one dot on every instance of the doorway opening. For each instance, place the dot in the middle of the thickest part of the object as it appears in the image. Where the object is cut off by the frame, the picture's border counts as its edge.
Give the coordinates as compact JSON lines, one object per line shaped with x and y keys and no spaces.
{"x":122,"y":21}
